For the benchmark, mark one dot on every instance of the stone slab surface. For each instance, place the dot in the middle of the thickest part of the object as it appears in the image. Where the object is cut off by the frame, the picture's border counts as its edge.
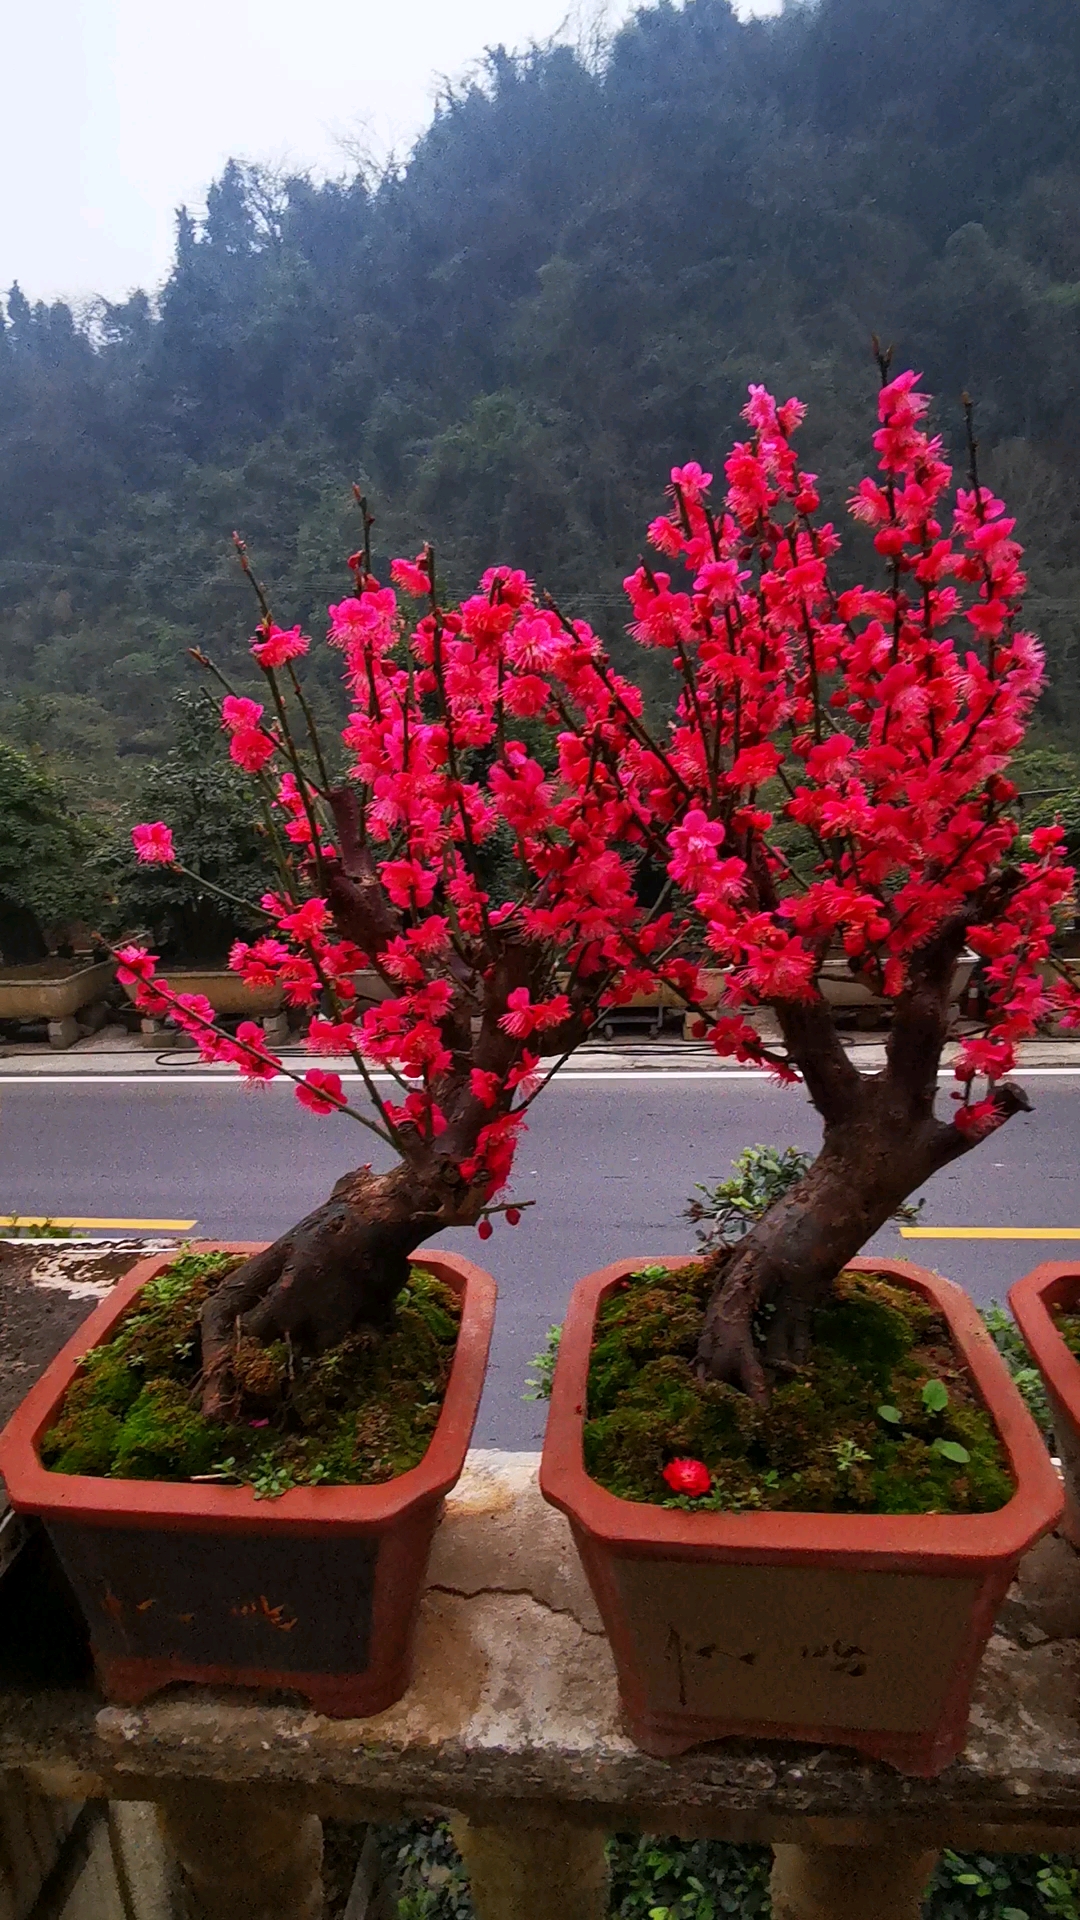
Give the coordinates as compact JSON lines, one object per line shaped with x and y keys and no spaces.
{"x":514,"y":1708}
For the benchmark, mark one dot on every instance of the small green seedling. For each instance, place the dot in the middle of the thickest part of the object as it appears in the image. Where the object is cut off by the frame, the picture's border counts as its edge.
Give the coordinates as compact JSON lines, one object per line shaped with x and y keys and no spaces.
{"x":951,"y":1450}
{"x":935,"y":1396}
{"x":891,"y":1415}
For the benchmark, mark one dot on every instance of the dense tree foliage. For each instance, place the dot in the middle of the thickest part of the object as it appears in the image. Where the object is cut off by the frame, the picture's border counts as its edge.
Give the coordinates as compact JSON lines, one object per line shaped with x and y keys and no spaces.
{"x":45,"y":872}
{"x":210,"y":805}
{"x":510,"y":338}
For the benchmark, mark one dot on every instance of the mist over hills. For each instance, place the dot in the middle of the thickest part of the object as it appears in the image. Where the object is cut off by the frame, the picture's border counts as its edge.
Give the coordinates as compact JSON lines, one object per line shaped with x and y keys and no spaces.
{"x":509,"y":340}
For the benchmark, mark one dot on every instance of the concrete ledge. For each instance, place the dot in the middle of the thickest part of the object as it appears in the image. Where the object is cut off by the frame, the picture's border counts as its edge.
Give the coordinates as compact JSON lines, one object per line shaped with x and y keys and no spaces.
{"x":513,"y":1718}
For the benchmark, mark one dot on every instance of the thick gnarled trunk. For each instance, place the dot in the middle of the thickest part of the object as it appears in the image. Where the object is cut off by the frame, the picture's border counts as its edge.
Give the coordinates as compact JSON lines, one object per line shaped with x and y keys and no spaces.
{"x":339,"y":1268}
{"x":789,"y":1260}
{"x":882,"y":1142}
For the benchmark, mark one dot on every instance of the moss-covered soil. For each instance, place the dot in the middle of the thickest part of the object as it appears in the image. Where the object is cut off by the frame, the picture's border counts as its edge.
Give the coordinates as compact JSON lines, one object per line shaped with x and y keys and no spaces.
{"x":883,"y":1419}
{"x":356,"y":1415}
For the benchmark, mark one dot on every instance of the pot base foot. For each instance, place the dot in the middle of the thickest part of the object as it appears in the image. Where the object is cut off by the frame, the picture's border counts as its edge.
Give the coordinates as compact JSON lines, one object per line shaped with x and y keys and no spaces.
{"x":922,"y":1756}
{"x":346,"y":1696}
{"x":660,"y":1745}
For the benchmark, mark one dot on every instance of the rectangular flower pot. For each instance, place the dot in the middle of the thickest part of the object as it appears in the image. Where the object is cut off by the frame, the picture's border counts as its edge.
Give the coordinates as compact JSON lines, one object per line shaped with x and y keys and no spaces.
{"x":228,"y":993}
{"x":858,"y":1630}
{"x":317,"y":1591}
{"x":1056,"y":1283}
{"x":53,"y":989}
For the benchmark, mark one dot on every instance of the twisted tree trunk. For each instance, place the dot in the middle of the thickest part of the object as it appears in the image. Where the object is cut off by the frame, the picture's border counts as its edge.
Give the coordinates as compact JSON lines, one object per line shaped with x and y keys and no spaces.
{"x":339,"y":1268}
{"x":882,"y":1141}
{"x":789,"y":1260}
{"x":344,"y":1264}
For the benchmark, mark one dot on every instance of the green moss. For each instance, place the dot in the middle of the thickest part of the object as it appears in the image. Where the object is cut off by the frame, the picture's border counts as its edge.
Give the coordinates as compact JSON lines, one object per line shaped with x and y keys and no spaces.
{"x":164,"y":1436}
{"x":822,"y":1444}
{"x":867,"y":1332}
{"x":84,"y":1441}
{"x":111,"y":1380}
{"x":361,"y":1413}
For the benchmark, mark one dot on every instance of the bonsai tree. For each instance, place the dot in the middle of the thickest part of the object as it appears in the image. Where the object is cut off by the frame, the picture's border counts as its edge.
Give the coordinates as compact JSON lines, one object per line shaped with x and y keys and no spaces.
{"x":381,"y":864}
{"x":836,"y":779}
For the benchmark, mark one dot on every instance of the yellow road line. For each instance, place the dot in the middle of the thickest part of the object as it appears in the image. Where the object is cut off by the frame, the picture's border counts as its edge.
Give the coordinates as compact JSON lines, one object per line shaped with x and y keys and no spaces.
{"x":990,"y":1233}
{"x":71,"y":1220}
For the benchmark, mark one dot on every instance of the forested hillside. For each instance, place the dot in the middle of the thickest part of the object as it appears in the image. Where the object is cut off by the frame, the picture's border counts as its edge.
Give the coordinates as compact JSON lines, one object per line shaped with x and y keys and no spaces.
{"x":509,"y":339}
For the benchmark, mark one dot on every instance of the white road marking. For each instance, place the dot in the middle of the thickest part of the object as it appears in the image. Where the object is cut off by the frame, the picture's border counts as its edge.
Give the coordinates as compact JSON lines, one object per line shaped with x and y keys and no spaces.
{"x":184,"y":1078}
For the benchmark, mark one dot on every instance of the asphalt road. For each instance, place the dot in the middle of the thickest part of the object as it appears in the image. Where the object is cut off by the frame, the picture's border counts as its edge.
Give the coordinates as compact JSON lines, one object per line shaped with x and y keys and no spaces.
{"x":610,"y":1164}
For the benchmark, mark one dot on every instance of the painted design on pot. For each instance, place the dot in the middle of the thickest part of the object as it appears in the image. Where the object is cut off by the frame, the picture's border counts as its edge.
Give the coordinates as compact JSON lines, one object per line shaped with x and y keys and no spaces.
{"x":317,"y":1591}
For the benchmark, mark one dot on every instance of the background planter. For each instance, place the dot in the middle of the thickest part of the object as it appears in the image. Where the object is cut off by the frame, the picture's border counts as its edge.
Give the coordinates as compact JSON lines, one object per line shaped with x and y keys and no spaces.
{"x":52,"y":989}
{"x":859,"y":1630}
{"x":317,"y":1591}
{"x":227,"y":992}
{"x":839,"y":987}
{"x":1055,"y":1284}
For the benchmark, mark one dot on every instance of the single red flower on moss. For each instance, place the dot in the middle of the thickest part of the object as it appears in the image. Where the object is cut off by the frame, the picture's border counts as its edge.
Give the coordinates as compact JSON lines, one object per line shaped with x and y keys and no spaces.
{"x":688,"y":1476}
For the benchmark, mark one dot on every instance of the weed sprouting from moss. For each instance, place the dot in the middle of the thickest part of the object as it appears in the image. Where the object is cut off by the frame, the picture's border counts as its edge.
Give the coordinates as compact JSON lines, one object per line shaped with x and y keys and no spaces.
{"x":1026,"y":1377}
{"x":538,"y":1382}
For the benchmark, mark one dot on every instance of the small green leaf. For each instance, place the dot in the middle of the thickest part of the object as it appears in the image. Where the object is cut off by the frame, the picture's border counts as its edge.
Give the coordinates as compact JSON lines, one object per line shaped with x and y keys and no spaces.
{"x":892,"y":1415}
{"x":952,"y":1450}
{"x":935,"y":1396}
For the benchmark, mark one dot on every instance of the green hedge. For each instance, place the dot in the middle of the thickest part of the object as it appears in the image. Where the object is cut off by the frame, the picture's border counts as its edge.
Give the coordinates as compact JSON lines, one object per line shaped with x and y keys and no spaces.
{"x":707,"y":1880}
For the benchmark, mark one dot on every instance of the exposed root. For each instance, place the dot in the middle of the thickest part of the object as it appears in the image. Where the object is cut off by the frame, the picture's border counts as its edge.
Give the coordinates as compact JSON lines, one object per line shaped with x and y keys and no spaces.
{"x":340,"y":1268}
{"x":727,"y":1353}
{"x":787,"y":1343}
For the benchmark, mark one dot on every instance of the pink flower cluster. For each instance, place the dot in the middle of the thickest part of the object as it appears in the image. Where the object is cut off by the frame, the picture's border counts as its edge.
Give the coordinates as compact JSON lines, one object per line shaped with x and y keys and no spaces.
{"x":876,"y":721}
{"x":438,"y":771}
{"x":871,"y":725}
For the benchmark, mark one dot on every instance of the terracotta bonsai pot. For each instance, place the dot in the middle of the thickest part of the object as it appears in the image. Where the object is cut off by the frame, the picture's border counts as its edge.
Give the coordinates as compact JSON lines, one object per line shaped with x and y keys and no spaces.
{"x":1055,"y":1284}
{"x":316,"y":1591}
{"x":858,"y":1630}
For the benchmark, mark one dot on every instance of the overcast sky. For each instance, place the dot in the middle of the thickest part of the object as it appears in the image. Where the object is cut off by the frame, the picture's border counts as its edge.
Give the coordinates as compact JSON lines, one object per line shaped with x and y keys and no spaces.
{"x":114,"y":112}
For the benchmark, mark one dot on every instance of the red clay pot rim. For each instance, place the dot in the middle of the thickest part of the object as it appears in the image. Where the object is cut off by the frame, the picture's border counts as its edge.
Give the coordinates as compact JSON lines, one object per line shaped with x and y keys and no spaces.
{"x":1046,"y":1286}
{"x":955,"y":1543}
{"x":96,"y":1501}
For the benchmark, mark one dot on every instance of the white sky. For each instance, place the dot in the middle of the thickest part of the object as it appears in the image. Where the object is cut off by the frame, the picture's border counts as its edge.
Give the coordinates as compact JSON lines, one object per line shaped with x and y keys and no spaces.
{"x":114,"y":112}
